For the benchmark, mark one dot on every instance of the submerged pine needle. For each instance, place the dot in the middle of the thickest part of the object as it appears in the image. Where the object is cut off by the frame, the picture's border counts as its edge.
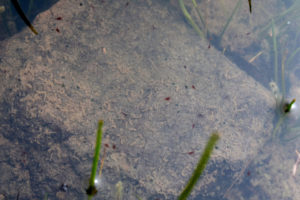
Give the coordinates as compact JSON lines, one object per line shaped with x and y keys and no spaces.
{"x":250,"y":6}
{"x":294,"y":53}
{"x":23,"y":16}
{"x":255,"y":57}
{"x":292,"y":8}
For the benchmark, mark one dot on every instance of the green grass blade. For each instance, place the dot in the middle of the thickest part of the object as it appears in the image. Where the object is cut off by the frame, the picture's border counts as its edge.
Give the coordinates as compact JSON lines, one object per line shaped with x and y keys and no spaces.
{"x":229,"y":19}
{"x":275,"y":53}
{"x":283,"y":75}
{"x":190,"y":20}
{"x":292,"y":56}
{"x":278,"y":125}
{"x":200,"y":166}
{"x":92,"y":189}
{"x":294,"y":7}
{"x":250,"y":6}
{"x":200,"y":16}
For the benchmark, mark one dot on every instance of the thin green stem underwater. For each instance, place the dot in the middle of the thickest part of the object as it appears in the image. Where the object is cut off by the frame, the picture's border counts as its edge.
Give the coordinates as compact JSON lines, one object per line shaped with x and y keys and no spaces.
{"x":200,"y":16}
{"x":294,"y":53}
{"x":288,"y":11}
{"x":275,"y":53}
{"x":278,"y":124}
{"x":229,"y":19}
{"x":200,"y":166}
{"x":283,"y":75}
{"x":91,"y":191}
{"x":189,"y":18}
{"x":284,"y":110}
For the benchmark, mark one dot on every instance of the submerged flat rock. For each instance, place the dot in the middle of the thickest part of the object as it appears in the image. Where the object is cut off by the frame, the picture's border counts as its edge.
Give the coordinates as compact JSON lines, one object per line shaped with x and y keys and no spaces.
{"x":159,"y":89}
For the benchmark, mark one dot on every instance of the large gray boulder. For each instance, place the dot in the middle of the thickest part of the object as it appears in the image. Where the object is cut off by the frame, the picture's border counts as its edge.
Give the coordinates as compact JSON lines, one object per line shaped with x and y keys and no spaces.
{"x":159,"y":89}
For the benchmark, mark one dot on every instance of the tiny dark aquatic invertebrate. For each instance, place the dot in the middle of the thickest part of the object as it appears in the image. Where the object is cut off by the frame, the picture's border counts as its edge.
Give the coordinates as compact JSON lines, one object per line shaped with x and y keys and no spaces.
{"x":23,"y":16}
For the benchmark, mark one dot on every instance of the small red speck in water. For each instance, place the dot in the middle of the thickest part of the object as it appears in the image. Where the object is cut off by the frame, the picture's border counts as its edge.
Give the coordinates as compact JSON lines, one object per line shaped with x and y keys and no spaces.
{"x":114,"y":146}
{"x":191,"y":152}
{"x":193,"y":87}
{"x":167,"y":98}
{"x":57,"y":30}
{"x":106,"y":145}
{"x":193,"y":125}
{"x":58,"y":18}
{"x":248,"y":173}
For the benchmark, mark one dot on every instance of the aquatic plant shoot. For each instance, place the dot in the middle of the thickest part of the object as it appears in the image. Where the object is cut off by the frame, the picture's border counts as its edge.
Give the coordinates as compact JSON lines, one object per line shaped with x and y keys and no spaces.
{"x":91,"y":190}
{"x":200,"y":166}
{"x":189,"y":19}
{"x":287,"y":107}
